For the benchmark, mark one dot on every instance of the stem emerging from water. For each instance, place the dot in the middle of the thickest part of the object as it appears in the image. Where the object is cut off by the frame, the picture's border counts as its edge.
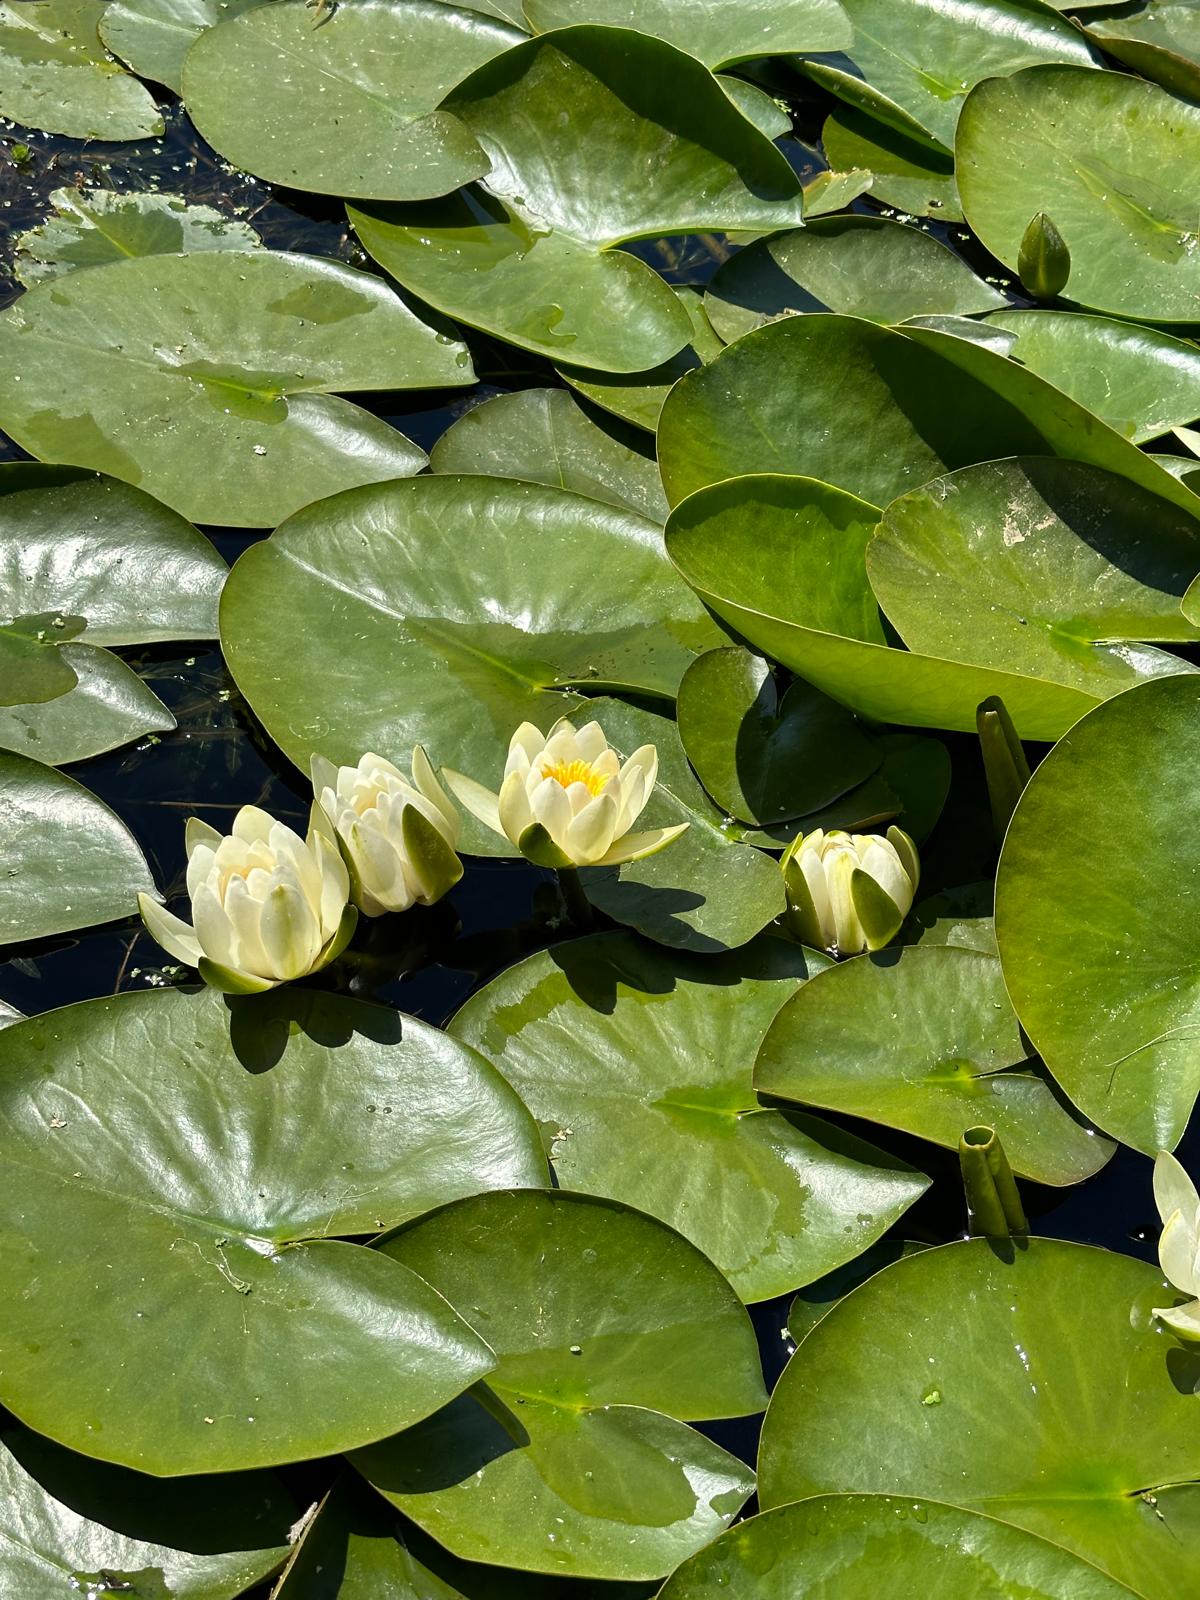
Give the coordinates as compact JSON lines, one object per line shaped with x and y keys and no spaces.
{"x":579,"y":907}
{"x":993,"y":1204}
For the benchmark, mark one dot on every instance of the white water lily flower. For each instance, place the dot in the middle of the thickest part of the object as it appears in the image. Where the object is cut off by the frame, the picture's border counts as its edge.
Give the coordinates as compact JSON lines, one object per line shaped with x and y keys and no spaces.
{"x":566,"y":800}
{"x":268,"y":906}
{"x":1179,"y":1244}
{"x":398,"y":836}
{"x":849,"y":892}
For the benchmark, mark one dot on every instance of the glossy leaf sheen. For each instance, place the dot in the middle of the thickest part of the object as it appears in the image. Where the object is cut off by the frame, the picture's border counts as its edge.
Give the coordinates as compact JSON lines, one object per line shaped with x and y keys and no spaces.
{"x":905,"y":172}
{"x":108,"y":706}
{"x":55,"y":75}
{"x":154,"y":36}
{"x":710,"y":30}
{"x":1162,"y":41}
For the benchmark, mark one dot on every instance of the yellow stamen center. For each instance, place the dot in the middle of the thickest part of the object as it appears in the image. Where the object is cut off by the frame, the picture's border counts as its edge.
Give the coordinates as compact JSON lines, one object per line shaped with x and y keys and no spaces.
{"x":569,"y":772}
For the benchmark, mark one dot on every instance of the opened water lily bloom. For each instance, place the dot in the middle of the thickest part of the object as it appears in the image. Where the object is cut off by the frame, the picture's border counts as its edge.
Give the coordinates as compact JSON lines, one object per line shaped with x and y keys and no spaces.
{"x":1179,"y":1244}
{"x":267,"y":905}
{"x":566,"y":800}
{"x":849,"y":892}
{"x":398,"y":836}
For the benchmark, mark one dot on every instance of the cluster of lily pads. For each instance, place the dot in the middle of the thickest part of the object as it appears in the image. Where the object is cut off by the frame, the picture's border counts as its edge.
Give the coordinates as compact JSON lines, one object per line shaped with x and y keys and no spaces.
{"x":713,"y":615}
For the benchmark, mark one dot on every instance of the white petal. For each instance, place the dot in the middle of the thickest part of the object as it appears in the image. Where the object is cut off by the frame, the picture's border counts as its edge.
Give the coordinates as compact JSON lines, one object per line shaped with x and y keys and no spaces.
{"x":428,"y":787}
{"x":243,"y":913}
{"x":197,"y":833}
{"x":1173,"y":1189}
{"x":513,"y":807}
{"x":813,"y":869}
{"x":592,"y":743}
{"x":552,"y":809}
{"x":840,"y":865}
{"x":882,"y":863}
{"x":480,"y":802}
{"x":636,"y":846}
{"x":1177,"y":1254}
{"x":214,"y":931}
{"x":591,"y":831}
{"x":176,"y":936}
{"x":1184,"y":1319}
{"x":324,"y":775}
{"x":529,"y":740}
{"x":252,"y":825}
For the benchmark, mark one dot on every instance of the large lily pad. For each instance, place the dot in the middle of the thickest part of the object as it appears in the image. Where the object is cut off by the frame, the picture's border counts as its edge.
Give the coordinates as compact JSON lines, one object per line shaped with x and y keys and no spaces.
{"x":108,"y":706}
{"x":970,"y":1375}
{"x":1044,"y":567}
{"x":205,"y":378}
{"x":1162,"y":41}
{"x":33,"y":666}
{"x":861,"y":266}
{"x":55,"y":74}
{"x":67,"y":1524}
{"x":69,"y":861}
{"x":711,"y":30}
{"x":925,"y":1040}
{"x":584,"y":158}
{"x":580,"y":1464}
{"x":349,"y":107}
{"x":1111,"y":160}
{"x":636,"y":1063}
{"x":154,"y":36}
{"x":781,"y":560}
{"x":905,"y":172}
{"x":226,"y":1146}
{"x":876,"y":1543}
{"x":543,"y":436}
{"x":1099,"y":965}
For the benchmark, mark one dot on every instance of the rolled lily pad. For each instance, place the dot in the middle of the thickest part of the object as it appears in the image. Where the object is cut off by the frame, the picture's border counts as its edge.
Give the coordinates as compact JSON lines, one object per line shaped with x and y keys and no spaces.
{"x":925,"y":1040}
{"x":227,"y":1145}
{"x":445,"y":611}
{"x":597,"y":1037}
{"x":912,"y":62}
{"x":154,"y":36}
{"x":9,"y":1015}
{"x":349,"y":107}
{"x":583,"y":160}
{"x":711,"y":30}
{"x":905,"y":172}
{"x":68,"y":1523}
{"x":577,"y":1461}
{"x":69,"y":861}
{"x":1141,"y":381}
{"x":108,"y":706}
{"x":763,"y":756}
{"x":55,"y":74}
{"x":1108,"y":1001}
{"x":543,"y":436}
{"x":966,"y":1374}
{"x":781,"y":560}
{"x":1110,"y":160}
{"x":1162,"y":41}
{"x":861,"y":266}
{"x":1039,"y":566}
{"x":205,"y":378}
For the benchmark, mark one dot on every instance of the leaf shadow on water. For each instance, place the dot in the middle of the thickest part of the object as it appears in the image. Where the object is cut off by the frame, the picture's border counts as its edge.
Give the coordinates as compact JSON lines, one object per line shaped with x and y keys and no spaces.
{"x":260,"y":1025}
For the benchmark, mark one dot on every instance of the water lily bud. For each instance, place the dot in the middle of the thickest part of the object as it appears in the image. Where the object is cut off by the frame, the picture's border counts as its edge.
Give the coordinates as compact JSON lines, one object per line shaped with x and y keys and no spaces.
{"x":849,"y":892}
{"x":268,"y":906}
{"x":1179,"y":1244}
{"x":566,"y":800}
{"x":1043,"y":261}
{"x":398,"y":835}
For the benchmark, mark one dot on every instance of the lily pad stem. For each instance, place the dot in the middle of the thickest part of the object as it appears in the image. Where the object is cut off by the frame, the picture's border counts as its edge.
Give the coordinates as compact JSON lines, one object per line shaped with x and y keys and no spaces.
{"x":579,"y":907}
{"x":993,"y":1205}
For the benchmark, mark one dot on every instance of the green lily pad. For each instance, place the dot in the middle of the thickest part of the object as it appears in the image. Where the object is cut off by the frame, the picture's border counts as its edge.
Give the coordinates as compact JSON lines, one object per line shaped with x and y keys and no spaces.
{"x":905,"y":172}
{"x":876,"y":1543}
{"x":861,"y":266}
{"x":638,"y":397}
{"x":444,"y":611}
{"x":226,"y":1145}
{"x":67,"y":1522}
{"x":1109,"y":1000}
{"x":1039,"y":566}
{"x":34,"y":669}
{"x":960,"y":916}
{"x":925,"y":1040}
{"x":584,"y":158}
{"x":350,"y":1550}
{"x":580,"y":1462}
{"x":832,"y":191}
{"x":108,"y":706}
{"x":543,"y":436}
{"x":912,"y":62}
{"x":766,"y":757}
{"x":711,"y":30}
{"x":767,"y":115}
{"x":781,"y":560}
{"x":636,"y":1063}
{"x":1162,"y":41}
{"x":815,"y":1299}
{"x":1111,"y":160}
{"x":205,"y":378}
{"x":154,"y":36}
{"x":55,"y":74}
{"x":967,"y":1374}
{"x":350,"y":107}
{"x":91,"y":227}
{"x":69,"y":861}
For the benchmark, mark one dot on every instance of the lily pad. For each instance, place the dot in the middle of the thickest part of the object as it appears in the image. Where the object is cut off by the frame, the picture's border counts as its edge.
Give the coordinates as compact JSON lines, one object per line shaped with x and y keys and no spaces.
{"x":91,"y":227}
{"x":1111,"y":160}
{"x":67,"y":1523}
{"x":965,"y":1374}
{"x":636,"y":1063}
{"x":154,"y":36}
{"x":108,"y":706}
{"x":34,"y":669}
{"x":781,"y":560}
{"x":205,"y":378}
{"x":1108,"y":1000}
{"x":832,"y":191}
{"x":711,"y":30}
{"x":861,"y":266}
{"x":1039,"y":566}
{"x":543,"y":436}
{"x":227,"y":1145}
{"x":69,"y":861}
{"x":580,"y":1463}
{"x":350,"y":1550}
{"x":925,"y":1040}
{"x":815,"y":1299}
{"x":56,"y":75}
{"x":1162,"y":41}
{"x":349,"y":107}
{"x":584,"y":158}
{"x":905,"y":172}
{"x":766,"y":757}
